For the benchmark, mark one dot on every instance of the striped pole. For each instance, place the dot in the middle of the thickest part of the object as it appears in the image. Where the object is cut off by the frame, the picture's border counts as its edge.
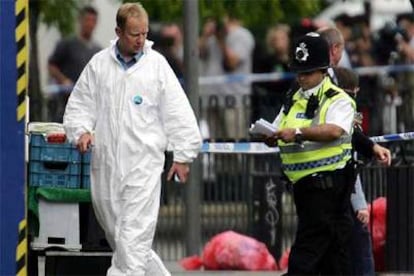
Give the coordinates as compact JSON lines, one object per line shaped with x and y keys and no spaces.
{"x":13,"y":90}
{"x":22,"y":65}
{"x":22,"y":26}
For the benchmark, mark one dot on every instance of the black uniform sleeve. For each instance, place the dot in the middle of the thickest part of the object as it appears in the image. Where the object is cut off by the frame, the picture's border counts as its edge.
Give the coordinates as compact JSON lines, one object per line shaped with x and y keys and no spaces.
{"x":362,"y":144}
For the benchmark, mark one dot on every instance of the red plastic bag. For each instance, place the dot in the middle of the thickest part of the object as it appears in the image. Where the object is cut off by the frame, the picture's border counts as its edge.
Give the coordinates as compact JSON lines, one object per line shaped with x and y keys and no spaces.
{"x":378,"y":228}
{"x":192,"y":263}
{"x":284,"y":260}
{"x":232,"y":251}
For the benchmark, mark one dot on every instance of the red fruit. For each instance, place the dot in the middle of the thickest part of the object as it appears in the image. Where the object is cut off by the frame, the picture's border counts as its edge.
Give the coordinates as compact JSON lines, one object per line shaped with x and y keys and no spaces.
{"x":56,"y":138}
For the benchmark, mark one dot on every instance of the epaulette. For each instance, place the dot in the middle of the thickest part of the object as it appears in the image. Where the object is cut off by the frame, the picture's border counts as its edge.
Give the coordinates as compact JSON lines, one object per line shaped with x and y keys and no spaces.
{"x":288,"y":102}
{"x":331,"y":92}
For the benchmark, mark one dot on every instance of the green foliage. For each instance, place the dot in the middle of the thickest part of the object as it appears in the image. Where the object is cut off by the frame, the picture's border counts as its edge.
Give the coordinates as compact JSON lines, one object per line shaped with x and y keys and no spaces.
{"x":59,"y":13}
{"x":252,"y":12}
{"x":256,"y":15}
{"x":162,"y":10}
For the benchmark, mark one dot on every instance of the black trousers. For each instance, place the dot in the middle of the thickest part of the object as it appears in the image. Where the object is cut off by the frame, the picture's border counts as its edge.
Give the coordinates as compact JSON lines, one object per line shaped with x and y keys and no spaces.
{"x":325,"y":224}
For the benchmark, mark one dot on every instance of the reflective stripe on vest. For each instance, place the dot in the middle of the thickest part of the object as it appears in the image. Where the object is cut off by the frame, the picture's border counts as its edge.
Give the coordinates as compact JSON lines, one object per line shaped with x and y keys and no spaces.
{"x":311,"y":157}
{"x":310,"y":146}
{"x":316,"y":164}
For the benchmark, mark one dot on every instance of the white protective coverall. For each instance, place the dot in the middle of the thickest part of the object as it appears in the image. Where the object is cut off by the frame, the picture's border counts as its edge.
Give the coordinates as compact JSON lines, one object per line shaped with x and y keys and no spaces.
{"x":134,"y":114}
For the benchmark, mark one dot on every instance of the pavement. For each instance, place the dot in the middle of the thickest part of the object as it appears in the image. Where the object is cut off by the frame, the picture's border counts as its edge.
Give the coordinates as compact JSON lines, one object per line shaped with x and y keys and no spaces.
{"x":177,"y":270}
{"x":95,"y":264}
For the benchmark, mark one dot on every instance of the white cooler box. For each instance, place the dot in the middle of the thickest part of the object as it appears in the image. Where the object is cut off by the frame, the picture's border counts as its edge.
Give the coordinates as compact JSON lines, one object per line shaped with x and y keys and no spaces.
{"x":58,"y":226}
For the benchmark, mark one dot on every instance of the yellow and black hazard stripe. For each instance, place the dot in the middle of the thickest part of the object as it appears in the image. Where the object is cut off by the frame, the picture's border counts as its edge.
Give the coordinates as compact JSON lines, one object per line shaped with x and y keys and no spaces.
{"x":22,"y":26}
{"x":21,"y":253}
{"x":22,"y":65}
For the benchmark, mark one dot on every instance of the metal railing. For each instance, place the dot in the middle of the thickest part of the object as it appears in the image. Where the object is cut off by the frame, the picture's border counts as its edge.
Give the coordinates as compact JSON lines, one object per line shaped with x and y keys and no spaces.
{"x":243,"y":192}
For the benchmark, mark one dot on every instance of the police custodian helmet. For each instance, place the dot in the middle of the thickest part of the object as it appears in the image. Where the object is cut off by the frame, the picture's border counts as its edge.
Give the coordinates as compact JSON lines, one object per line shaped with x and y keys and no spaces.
{"x":310,"y":53}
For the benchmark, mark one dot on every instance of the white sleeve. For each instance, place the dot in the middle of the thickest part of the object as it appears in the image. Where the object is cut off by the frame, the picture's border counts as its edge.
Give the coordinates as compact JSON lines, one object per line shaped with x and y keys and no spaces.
{"x":80,"y":112}
{"x":178,"y":117}
{"x":276,"y":121}
{"x":341,"y":113}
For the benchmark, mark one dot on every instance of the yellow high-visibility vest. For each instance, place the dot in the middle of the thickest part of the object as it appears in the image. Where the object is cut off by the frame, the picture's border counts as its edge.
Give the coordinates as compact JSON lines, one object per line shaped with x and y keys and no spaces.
{"x":311,"y":157}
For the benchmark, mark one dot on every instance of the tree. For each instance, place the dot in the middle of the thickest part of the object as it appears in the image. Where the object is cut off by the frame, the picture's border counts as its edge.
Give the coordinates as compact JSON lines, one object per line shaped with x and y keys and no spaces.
{"x":257,"y":15}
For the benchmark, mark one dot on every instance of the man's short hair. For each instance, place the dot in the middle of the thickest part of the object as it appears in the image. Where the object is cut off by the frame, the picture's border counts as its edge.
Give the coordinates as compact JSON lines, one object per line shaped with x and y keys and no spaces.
{"x":88,"y":10}
{"x":332,"y":35}
{"x":127,"y":10}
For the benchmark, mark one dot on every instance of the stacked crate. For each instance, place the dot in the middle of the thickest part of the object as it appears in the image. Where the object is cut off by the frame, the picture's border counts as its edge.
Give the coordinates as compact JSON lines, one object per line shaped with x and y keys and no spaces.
{"x":85,"y":175}
{"x":53,"y":164}
{"x":56,"y":164}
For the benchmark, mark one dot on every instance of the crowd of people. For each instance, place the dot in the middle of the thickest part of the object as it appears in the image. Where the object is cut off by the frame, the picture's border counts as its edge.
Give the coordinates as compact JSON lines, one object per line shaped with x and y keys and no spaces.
{"x":381,"y":95}
{"x":236,"y":104}
{"x":228,"y":48}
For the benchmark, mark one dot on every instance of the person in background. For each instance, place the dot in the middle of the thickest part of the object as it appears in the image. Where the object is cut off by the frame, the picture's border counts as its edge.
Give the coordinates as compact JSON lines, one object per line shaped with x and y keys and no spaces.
{"x":360,"y":142}
{"x":171,"y":47}
{"x":226,"y":48}
{"x":336,"y":44}
{"x":343,"y":23}
{"x":363,"y":145}
{"x":278,"y":45}
{"x":69,"y":58}
{"x":361,"y":247}
{"x":362,"y":52}
{"x":267,"y":97}
{"x":127,"y":106}
{"x":173,"y":32}
{"x":405,"y":36}
{"x":211,"y":94}
{"x":314,"y":137}
{"x":405,"y":48}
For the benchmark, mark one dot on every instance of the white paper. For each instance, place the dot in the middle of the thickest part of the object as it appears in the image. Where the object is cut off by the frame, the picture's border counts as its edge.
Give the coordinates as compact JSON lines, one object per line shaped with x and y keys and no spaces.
{"x":262,"y":127}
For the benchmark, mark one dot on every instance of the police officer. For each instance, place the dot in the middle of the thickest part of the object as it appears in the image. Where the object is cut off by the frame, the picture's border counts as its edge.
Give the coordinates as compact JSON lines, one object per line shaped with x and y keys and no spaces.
{"x":314,"y":137}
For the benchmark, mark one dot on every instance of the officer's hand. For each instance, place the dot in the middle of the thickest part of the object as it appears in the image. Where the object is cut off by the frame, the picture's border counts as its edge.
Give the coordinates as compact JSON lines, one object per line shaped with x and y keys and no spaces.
{"x":287,"y":135}
{"x":84,"y":142}
{"x":382,"y":154}
{"x":363,"y":215}
{"x":270,"y":141}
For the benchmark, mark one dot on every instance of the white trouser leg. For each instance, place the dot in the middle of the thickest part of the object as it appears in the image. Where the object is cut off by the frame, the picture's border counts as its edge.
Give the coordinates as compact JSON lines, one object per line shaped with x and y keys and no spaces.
{"x":155,"y":267}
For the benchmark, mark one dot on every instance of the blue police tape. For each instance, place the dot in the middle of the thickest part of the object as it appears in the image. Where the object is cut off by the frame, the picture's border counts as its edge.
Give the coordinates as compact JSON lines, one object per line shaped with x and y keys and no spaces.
{"x":242,"y":147}
{"x":393,"y":137}
{"x":261,"y":148}
{"x":245,"y":78}
{"x":276,"y":76}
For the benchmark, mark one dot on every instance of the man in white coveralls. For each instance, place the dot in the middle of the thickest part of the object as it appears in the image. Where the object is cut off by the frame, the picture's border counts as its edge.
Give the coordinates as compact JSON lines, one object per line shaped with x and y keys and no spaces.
{"x":129,"y":97}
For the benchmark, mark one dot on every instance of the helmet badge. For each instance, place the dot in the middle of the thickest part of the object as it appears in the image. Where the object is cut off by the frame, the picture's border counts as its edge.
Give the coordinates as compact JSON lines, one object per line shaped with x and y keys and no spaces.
{"x":301,"y":53}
